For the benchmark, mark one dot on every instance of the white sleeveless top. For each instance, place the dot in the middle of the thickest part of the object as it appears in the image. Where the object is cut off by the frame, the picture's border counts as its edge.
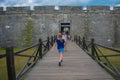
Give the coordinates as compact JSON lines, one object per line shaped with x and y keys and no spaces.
{"x":64,"y":37}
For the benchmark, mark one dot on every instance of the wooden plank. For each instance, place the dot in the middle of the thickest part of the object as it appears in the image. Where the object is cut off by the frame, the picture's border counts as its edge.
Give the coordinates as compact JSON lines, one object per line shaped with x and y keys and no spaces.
{"x":77,"y":65}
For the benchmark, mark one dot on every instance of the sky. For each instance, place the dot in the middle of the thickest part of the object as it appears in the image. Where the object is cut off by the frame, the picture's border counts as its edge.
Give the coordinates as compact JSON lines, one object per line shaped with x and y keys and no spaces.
{"x":84,"y":3}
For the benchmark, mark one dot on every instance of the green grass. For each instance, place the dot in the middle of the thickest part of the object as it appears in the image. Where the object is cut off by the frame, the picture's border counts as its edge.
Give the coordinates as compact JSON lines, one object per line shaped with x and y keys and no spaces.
{"x":19,"y":62}
{"x":115,"y":60}
{"x":2,"y":50}
{"x":3,"y":69}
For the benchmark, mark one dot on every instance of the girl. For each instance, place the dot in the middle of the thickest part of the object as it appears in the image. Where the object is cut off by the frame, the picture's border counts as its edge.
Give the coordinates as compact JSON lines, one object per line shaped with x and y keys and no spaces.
{"x":60,"y":46}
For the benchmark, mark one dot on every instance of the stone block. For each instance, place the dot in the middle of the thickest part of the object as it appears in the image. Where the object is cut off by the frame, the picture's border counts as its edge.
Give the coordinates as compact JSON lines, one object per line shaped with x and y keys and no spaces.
{"x":1,"y":11}
{"x":77,"y":9}
{"x":116,"y":9}
{"x":18,"y":9}
{"x":65,"y":9}
{"x":98,"y":8}
{"x":1,"y":8}
{"x":45,"y":9}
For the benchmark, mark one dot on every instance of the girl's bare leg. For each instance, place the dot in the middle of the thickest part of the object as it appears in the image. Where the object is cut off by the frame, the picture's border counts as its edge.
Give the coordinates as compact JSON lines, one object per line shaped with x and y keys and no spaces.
{"x":60,"y":57}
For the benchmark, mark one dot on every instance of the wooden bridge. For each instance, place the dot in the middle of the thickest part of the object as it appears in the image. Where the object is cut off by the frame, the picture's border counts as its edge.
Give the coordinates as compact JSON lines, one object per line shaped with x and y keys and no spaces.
{"x":77,"y":65}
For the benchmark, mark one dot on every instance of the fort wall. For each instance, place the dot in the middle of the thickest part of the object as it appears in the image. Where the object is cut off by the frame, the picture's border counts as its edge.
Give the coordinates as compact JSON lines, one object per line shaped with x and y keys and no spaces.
{"x":97,"y":22}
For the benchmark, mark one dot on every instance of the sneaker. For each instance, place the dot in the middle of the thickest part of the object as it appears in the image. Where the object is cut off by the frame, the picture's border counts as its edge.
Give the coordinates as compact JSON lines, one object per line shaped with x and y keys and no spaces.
{"x":59,"y":63}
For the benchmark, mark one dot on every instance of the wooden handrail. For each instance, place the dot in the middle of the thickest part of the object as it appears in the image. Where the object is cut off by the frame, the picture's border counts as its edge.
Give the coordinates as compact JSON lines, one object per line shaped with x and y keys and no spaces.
{"x":37,"y":54}
{"x":95,"y":56}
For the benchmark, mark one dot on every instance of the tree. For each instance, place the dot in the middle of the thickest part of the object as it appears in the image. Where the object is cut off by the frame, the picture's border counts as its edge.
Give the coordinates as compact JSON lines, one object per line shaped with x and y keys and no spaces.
{"x":27,"y":34}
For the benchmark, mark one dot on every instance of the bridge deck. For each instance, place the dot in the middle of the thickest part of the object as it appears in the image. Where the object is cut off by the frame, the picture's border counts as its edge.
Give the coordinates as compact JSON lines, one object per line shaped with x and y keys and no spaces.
{"x":77,"y":65}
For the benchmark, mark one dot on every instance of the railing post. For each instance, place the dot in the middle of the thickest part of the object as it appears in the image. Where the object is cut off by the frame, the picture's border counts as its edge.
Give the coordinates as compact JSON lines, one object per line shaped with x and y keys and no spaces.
{"x":92,"y":48}
{"x":76,"y":39}
{"x":52,"y":40}
{"x":79,"y":41}
{"x":83,"y":43}
{"x":10,"y":62}
{"x":40,"y":48}
{"x":48,"y":42}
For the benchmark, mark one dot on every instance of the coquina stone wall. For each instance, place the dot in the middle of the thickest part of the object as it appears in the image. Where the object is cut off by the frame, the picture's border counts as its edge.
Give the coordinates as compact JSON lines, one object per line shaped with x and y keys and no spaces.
{"x":97,"y":22}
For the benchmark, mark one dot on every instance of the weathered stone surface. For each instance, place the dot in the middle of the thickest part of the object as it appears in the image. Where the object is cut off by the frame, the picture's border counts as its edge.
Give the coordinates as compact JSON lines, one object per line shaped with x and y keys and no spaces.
{"x":97,"y":22}
{"x":98,"y":8}
{"x":1,"y":8}
{"x":116,"y":10}
{"x":18,"y":9}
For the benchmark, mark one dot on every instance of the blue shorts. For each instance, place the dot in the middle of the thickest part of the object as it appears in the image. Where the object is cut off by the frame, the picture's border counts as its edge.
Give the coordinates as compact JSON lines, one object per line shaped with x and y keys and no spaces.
{"x":61,"y":50}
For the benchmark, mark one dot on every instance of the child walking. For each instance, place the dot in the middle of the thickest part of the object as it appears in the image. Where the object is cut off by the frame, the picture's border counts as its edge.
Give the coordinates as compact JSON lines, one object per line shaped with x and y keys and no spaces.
{"x":60,"y":46}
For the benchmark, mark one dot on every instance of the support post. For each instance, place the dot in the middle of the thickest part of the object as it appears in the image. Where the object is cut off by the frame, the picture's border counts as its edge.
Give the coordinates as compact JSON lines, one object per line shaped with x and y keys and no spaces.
{"x":76,"y":39}
{"x":40,"y":48}
{"x":52,"y":40}
{"x":83,"y":43}
{"x":79,"y":41}
{"x":10,"y":63}
{"x":48,"y":41}
{"x":92,"y":48}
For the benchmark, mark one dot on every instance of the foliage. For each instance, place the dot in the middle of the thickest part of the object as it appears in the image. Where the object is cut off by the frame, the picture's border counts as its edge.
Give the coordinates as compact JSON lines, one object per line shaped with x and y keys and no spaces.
{"x":27,"y":34}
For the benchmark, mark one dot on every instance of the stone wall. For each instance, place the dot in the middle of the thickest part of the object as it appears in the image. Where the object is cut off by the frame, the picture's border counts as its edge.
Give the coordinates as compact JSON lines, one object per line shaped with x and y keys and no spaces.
{"x":100,"y":22}
{"x":97,"y":22}
{"x":116,"y":22}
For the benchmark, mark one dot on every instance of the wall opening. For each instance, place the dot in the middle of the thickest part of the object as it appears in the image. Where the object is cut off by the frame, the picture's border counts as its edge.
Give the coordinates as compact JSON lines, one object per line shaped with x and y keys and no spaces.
{"x":65,"y":27}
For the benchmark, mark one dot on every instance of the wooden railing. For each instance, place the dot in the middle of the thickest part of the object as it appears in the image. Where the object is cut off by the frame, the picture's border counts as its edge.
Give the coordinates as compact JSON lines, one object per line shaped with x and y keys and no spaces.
{"x":40,"y":50}
{"x":94,"y":50}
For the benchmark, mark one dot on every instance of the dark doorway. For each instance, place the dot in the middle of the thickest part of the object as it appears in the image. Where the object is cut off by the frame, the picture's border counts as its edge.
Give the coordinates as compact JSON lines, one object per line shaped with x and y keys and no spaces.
{"x":65,"y":27}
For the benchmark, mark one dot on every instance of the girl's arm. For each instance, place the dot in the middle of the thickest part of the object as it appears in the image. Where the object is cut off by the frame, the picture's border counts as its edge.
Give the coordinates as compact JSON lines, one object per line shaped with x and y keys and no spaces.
{"x":53,"y":48}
